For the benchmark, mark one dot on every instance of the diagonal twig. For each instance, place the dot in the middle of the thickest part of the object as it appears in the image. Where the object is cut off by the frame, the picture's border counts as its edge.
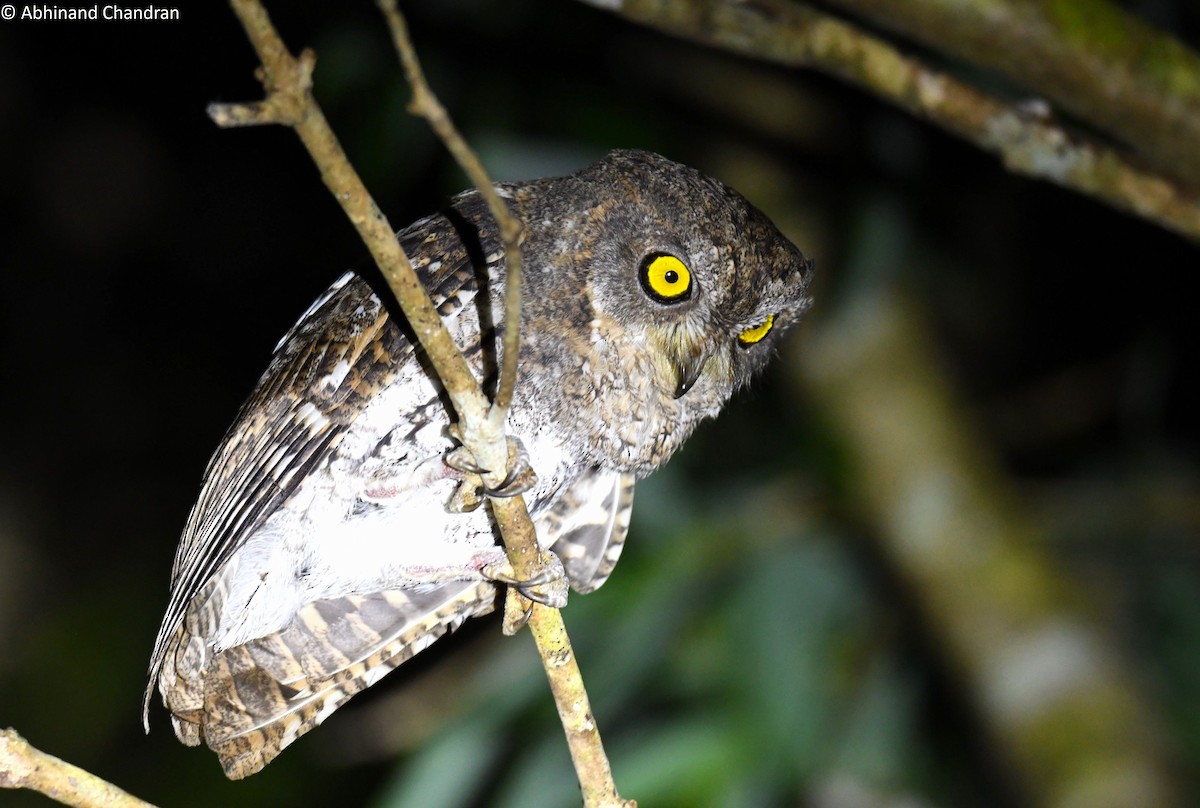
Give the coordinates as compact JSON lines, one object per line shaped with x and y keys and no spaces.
{"x":425,"y":103}
{"x":25,"y":766}
{"x":287,"y":82}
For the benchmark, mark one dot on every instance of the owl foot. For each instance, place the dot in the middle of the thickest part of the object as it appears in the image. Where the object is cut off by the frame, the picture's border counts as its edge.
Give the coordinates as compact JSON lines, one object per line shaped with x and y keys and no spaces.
{"x":549,"y":587}
{"x":520,"y":479}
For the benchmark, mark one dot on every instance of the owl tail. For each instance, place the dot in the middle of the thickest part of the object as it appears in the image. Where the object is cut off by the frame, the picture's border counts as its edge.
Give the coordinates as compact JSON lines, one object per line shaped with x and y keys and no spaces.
{"x":249,"y":702}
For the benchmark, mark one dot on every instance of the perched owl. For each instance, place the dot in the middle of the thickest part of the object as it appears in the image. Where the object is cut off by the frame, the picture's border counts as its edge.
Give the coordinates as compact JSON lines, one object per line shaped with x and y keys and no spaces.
{"x":322,"y":551}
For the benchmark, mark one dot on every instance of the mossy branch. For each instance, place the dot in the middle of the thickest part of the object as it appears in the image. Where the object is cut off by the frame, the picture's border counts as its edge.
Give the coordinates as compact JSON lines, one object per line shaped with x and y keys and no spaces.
{"x":1091,"y":58}
{"x":1028,"y":142}
{"x":287,"y":82}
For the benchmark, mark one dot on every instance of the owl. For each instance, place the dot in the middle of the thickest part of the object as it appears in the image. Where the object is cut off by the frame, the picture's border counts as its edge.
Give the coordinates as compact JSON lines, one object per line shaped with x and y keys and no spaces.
{"x":324,"y":550}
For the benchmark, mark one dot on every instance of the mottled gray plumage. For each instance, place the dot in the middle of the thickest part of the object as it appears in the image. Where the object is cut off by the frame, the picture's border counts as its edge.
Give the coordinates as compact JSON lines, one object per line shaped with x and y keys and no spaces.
{"x":321,"y":552}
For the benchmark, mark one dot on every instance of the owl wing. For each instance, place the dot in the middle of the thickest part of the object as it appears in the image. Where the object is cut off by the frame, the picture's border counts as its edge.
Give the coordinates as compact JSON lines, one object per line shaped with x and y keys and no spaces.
{"x":340,"y":353}
{"x":256,"y":698}
{"x":587,"y":526}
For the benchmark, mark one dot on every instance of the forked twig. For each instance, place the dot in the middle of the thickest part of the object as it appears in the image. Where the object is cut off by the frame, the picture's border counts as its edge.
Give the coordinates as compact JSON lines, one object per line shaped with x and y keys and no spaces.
{"x":287,"y":82}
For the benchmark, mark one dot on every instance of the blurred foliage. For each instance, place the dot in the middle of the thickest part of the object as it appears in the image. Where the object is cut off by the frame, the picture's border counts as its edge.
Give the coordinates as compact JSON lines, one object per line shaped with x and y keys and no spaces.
{"x":813,"y":695}
{"x":756,"y":646}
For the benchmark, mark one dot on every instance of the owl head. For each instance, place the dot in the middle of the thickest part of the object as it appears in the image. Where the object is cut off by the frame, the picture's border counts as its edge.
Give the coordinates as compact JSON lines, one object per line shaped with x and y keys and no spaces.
{"x":692,"y":272}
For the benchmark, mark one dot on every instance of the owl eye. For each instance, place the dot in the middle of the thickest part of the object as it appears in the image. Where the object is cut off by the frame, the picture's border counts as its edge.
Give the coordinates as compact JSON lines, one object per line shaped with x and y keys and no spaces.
{"x":665,"y":278}
{"x":756,"y":334}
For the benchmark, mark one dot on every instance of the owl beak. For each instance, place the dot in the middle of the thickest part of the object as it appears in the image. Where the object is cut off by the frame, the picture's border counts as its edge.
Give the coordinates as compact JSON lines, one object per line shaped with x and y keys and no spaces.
{"x":689,"y":368}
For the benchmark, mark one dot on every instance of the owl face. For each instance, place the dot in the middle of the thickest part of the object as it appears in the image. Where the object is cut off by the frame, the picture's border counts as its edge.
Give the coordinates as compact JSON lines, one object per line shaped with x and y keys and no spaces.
{"x":691,"y":271}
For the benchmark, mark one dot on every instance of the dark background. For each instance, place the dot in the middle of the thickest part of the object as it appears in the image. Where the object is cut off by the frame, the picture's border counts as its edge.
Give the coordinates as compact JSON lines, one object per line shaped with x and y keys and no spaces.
{"x":151,"y":260}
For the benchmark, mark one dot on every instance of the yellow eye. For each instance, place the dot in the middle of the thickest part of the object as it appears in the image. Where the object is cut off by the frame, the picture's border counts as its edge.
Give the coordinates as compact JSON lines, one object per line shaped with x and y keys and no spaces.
{"x":753,"y":335}
{"x":666,"y":279}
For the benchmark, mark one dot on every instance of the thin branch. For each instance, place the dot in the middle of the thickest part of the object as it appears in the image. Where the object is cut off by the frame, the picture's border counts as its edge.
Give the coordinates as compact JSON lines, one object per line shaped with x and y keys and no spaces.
{"x":425,"y":103}
{"x":545,"y":624}
{"x":24,"y":766}
{"x":795,"y":35}
{"x":288,"y":85}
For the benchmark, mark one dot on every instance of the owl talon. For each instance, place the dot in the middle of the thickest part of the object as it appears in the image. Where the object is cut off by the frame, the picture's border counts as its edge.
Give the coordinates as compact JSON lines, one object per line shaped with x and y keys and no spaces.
{"x":521,"y":476}
{"x":519,"y":480}
{"x":464,"y":499}
{"x":517,"y":611}
{"x":549,"y":587}
{"x":463,"y":461}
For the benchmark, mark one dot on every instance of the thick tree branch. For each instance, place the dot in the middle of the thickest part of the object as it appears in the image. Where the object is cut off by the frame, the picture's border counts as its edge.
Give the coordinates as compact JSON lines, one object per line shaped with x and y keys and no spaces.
{"x":288,"y":85}
{"x":793,"y":34}
{"x":1089,"y":57}
{"x":24,"y":766}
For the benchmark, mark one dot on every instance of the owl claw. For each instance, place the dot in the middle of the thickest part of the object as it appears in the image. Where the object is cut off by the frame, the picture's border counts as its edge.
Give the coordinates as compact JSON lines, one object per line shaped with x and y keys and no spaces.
{"x":519,"y":480}
{"x":549,"y":587}
{"x":521,"y":476}
{"x":464,"y":499}
{"x":462,"y":460}
{"x":517,"y":611}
